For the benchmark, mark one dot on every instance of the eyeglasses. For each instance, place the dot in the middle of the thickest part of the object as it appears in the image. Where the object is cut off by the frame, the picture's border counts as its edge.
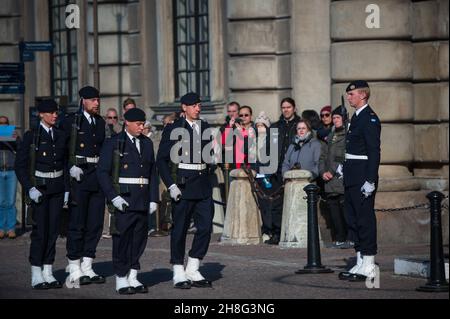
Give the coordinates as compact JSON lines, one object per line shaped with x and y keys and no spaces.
{"x":112,"y":117}
{"x":325,"y":115}
{"x":244,"y":115}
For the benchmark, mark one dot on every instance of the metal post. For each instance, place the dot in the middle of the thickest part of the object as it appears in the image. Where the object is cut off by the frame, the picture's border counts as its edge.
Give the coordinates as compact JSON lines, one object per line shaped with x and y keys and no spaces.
{"x":158,"y":232}
{"x":436,"y":281}
{"x":96,"y":69}
{"x":314,"y":265}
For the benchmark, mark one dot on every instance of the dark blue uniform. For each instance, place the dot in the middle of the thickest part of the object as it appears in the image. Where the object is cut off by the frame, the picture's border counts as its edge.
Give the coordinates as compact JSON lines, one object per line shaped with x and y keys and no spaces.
{"x":363,"y":139}
{"x":196,"y":199}
{"x":50,"y":158}
{"x":131,"y":224}
{"x":87,"y":204}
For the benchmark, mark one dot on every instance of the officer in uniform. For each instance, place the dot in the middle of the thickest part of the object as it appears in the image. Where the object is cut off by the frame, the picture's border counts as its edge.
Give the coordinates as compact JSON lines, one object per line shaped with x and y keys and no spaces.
{"x":44,"y":179}
{"x":362,"y":159}
{"x":137,"y":191}
{"x":87,"y":204}
{"x":191,"y":192}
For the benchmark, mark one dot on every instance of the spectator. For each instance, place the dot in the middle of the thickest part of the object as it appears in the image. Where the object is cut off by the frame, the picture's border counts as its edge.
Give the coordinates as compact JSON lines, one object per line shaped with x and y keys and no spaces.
{"x":244,"y":131}
{"x":8,"y":184}
{"x":304,"y":151}
{"x":283,"y":132}
{"x":112,"y":122}
{"x":326,"y":123}
{"x":129,"y":103}
{"x":262,"y":124}
{"x":169,"y":118}
{"x":330,"y":169}
{"x":228,"y":138}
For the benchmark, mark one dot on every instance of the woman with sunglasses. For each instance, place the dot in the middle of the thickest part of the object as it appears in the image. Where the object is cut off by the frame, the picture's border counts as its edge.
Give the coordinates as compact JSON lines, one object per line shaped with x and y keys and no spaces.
{"x":245,"y":130}
{"x":304,"y":151}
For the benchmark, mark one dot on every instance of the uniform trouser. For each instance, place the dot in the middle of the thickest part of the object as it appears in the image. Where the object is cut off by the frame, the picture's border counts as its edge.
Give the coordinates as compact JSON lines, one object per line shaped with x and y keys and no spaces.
{"x":336,"y":210}
{"x":85,"y":224}
{"x":203,"y":212}
{"x":46,"y":218}
{"x":129,"y":245}
{"x":361,"y":220}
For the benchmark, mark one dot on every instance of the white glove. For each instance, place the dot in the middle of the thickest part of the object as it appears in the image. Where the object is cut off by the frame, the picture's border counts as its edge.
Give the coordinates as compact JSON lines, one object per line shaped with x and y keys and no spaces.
{"x":66,"y":198}
{"x":34,"y":194}
{"x":175,"y":192}
{"x":76,"y":172}
{"x":340,"y":171}
{"x":153,"y":207}
{"x":118,"y":203}
{"x":367,"y":189}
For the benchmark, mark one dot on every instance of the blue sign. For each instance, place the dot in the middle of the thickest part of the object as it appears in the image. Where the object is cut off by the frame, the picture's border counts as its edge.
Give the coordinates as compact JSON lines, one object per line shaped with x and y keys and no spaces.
{"x":27,"y":56}
{"x":11,"y":67}
{"x":11,"y":78}
{"x":12,"y":89}
{"x":36,"y":46}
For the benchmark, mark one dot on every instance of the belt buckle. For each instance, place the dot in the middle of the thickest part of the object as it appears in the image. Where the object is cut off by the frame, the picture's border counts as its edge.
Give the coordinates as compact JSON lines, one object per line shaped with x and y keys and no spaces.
{"x":141,"y":181}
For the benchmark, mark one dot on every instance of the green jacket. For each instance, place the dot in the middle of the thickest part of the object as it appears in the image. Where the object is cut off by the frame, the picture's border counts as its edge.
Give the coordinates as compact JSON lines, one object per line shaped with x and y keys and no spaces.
{"x":333,"y":154}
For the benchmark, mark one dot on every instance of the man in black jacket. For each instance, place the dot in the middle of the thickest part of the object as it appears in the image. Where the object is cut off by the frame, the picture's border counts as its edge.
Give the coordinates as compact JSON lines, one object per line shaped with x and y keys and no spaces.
{"x":46,"y":183}
{"x":283,"y":136}
{"x":87,"y":204}
{"x":138,"y":190}
{"x":191,"y":192}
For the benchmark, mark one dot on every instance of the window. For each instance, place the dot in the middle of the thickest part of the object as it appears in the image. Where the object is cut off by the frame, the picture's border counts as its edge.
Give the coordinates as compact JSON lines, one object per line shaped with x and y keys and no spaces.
{"x":191,"y":47}
{"x":63,"y":57}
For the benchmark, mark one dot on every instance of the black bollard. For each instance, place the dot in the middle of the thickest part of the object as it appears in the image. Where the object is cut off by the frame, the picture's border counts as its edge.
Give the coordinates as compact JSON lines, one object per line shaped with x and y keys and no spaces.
{"x":436,"y":281}
{"x":314,"y":265}
{"x":158,"y":231}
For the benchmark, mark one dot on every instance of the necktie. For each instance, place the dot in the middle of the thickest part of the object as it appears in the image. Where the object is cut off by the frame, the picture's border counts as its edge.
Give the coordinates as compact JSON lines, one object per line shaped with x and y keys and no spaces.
{"x":92,"y":121}
{"x":50,"y":132}
{"x":136,"y":145}
{"x":195,"y":127}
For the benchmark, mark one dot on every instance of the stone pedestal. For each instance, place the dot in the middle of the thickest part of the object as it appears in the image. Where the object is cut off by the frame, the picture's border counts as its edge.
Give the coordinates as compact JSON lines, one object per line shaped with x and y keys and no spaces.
{"x":218,"y":220}
{"x":242,"y":224}
{"x":294,"y":225}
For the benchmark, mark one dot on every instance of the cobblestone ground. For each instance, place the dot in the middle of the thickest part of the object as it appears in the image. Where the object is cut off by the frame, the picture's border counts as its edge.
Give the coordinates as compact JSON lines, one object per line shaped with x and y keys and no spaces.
{"x":237,"y":272}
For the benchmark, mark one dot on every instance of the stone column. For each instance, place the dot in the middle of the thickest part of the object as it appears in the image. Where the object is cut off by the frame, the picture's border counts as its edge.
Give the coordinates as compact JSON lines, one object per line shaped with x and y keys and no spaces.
{"x":294,"y":225}
{"x":310,"y":43}
{"x":242,"y":224}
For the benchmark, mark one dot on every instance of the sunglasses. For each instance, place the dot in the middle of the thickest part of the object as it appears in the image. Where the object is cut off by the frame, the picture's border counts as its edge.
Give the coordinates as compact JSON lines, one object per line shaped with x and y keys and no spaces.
{"x":244,"y":115}
{"x":325,"y":115}
{"x":112,"y":117}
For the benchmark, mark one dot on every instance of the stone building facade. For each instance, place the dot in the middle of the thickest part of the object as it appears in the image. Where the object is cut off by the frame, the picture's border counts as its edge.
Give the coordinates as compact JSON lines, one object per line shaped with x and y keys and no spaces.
{"x":256,"y":52}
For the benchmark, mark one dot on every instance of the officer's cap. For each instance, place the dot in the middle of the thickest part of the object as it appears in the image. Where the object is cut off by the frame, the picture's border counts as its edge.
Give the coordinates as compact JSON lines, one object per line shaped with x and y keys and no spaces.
{"x":134,"y":115}
{"x":190,"y":99}
{"x":47,"y":106}
{"x":358,"y":84}
{"x":89,"y":92}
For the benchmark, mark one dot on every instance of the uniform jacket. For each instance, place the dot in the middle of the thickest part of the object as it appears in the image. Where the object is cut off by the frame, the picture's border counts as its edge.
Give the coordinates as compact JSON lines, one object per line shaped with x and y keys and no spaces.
{"x":132,"y":165}
{"x":193,"y":184}
{"x":363,"y":138}
{"x":333,"y":154}
{"x":89,"y":144}
{"x":50,"y":157}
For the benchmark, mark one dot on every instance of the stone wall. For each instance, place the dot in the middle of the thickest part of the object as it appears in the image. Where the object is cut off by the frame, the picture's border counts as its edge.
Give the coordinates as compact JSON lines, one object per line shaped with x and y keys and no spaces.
{"x":259,"y":64}
{"x":405,"y":62}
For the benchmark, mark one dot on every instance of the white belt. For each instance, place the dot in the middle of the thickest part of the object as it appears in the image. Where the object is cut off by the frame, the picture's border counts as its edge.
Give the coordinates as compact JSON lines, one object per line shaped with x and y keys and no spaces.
{"x":131,"y":180}
{"x":54,"y":174}
{"x":93,"y":160}
{"x":356,"y":157}
{"x":192,"y":167}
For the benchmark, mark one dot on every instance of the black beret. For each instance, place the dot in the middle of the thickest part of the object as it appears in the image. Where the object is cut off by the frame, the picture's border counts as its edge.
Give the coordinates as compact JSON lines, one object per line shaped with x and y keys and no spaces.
{"x":190,"y":99}
{"x":358,"y":84}
{"x":134,"y":115}
{"x":340,"y":110}
{"x":47,"y":106}
{"x":89,"y":92}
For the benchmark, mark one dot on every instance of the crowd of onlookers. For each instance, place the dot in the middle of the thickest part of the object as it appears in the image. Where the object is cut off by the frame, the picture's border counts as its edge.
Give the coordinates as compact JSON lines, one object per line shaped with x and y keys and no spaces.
{"x":311,"y":141}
